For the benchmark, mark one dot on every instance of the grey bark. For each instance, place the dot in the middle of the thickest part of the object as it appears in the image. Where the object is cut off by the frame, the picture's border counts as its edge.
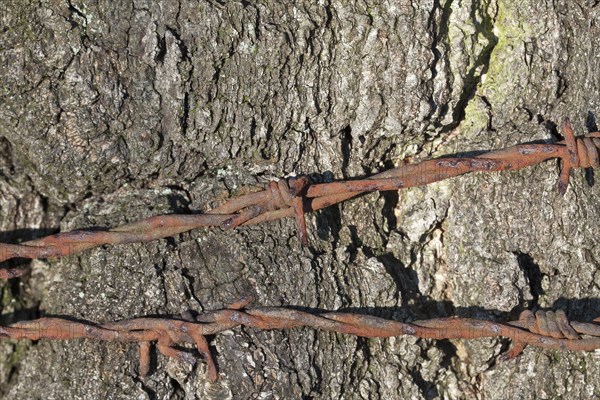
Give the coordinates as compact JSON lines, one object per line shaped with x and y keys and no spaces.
{"x":114,"y":111}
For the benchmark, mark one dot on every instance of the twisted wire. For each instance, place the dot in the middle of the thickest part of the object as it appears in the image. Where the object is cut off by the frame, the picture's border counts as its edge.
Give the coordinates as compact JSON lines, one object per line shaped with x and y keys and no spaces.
{"x":295,"y":197}
{"x":544,"y":329}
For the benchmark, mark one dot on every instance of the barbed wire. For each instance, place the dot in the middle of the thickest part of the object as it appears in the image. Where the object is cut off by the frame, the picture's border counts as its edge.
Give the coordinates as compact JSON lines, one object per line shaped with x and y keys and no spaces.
{"x":295,"y":197}
{"x":545,"y":329}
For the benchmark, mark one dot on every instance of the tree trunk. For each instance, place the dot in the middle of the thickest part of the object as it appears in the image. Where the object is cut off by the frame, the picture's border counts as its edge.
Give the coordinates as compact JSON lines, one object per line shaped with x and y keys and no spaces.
{"x":114,"y":111}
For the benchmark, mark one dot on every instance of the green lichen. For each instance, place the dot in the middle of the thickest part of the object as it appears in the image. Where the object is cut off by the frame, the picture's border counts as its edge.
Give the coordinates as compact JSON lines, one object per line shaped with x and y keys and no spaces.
{"x":24,"y":25}
{"x":469,"y":35}
{"x":469,"y":42}
{"x":477,"y":117}
{"x":501,"y":79}
{"x":581,"y":366}
{"x":505,"y":66}
{"x":7,"y":297}
{"x":20,"y":348}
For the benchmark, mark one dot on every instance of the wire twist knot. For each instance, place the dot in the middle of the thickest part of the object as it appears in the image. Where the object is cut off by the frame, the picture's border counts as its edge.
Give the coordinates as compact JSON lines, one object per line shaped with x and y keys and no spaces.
{"x":280,"y":195}
{"x":583,"y":152}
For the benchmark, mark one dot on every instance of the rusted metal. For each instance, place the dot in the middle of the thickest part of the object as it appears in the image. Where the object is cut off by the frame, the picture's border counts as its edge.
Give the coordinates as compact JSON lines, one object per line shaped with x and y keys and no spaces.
{"x":297,"y":196}
{"x":544,"y":329}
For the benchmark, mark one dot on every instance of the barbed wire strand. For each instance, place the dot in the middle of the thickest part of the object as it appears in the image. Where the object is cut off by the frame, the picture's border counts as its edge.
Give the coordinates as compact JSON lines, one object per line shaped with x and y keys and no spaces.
{"x":544,"y":329}
{"x":297,"y":196}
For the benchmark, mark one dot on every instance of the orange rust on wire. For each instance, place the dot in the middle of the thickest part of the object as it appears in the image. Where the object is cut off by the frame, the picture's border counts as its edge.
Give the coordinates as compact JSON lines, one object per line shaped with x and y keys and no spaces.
{"x":297,"y":196}
{"x":144,"y":359}
{"x":544,"y":329}
{"x":298,"y":192}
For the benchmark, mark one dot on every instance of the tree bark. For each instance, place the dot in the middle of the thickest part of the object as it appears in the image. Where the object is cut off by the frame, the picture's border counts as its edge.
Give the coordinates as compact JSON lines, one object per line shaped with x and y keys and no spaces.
{"x":114,"y":111}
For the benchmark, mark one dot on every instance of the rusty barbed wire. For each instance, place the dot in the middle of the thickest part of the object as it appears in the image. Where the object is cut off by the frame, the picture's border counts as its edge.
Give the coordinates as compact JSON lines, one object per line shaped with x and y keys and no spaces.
{"x":545,"y":329}
{"x":295,"y":197}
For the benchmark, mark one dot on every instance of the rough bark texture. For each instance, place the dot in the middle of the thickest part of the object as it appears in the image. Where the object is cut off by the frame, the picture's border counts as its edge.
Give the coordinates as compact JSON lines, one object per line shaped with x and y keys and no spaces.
{"x":114,"y":111}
